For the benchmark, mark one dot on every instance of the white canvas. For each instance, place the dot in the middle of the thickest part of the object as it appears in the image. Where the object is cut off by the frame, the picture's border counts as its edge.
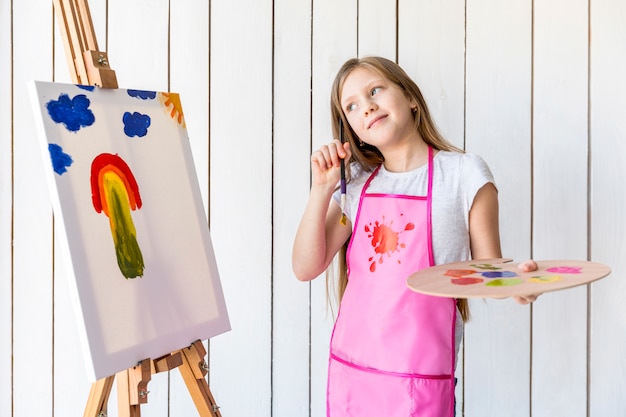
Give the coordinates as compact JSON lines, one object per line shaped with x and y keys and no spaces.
{"x":124,"y":190}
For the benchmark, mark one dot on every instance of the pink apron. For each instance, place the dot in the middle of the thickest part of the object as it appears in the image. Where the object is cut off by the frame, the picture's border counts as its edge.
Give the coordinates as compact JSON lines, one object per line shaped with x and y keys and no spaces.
{"x":392,"y":350}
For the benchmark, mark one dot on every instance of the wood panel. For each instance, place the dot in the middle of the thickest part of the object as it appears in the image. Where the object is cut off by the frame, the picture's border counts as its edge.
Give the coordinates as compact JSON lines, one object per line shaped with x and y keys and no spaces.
{"x":377,"y":28}
{"x":241,"y":201}
{"x":431,"y":48}
{"x":269,"y":77}
{"x":32,"y":219}
{"x":137,"y":43}
{"x":6,"y":208}
{"x":498,"y":82}
{"x":559,"y":350}
{"x":607,"y":347}
{"x":189,"y":76}
{"x":332,"y":21}
{"x":292,"y":147}
{"x":137,"y":46}
{"x":71,"y":386}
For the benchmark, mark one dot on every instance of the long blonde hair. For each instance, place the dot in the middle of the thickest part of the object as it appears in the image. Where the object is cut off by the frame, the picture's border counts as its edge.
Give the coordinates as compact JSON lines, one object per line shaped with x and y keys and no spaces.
{"x":368,"y":156}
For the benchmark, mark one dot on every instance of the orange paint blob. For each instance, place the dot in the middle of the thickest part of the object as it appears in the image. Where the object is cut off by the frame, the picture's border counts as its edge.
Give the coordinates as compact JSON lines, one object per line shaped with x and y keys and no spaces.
{"x":172,"y":101}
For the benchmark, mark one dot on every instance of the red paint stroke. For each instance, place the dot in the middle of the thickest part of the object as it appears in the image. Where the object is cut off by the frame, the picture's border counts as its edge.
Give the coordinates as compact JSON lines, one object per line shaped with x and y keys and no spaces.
{"x":385,"y":240}
{"x":112,"y":163}
{"x":466,"y":281}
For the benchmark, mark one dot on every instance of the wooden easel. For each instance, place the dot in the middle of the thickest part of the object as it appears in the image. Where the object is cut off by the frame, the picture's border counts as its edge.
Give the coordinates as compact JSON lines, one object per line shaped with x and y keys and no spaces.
{"x":89,"y":66}
{"x":132,"y":384}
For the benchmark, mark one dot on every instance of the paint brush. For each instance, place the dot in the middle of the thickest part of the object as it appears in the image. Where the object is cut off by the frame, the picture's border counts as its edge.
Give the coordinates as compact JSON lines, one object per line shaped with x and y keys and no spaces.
{"x":342,"y":183}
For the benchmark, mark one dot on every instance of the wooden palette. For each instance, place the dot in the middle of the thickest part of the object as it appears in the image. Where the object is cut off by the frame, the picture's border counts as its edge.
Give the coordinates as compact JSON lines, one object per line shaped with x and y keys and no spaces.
{"x":500,"y":278}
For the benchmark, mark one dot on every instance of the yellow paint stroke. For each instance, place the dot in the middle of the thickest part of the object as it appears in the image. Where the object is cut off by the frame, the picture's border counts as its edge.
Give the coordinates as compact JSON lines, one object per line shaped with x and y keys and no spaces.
{"x":544,"y":279}
{"x":115,"y":192}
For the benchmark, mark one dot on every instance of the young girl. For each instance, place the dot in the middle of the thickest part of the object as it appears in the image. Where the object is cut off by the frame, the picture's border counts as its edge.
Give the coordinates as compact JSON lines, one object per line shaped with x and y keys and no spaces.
{"x":413,"y":201}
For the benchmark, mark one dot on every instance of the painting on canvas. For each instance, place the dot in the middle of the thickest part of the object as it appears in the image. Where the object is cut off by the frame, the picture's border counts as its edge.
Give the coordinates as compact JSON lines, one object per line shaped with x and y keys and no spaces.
{"x":125,"y":191}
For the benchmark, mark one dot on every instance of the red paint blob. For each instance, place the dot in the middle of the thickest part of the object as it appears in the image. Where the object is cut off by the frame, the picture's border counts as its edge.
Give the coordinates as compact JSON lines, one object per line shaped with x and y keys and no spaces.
{"x":466,"y":281}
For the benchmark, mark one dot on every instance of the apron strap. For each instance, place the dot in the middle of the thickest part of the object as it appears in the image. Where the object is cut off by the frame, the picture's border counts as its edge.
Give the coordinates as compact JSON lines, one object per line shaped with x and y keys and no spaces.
{"x":429,"y":202}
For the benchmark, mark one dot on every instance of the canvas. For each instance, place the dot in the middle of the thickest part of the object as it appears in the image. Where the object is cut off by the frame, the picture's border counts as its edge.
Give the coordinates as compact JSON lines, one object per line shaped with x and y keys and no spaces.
{"x":124,"y":189}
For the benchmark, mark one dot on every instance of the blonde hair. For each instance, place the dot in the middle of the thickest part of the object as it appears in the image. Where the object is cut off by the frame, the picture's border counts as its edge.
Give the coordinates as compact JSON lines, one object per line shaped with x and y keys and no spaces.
{"x":368,"y":156}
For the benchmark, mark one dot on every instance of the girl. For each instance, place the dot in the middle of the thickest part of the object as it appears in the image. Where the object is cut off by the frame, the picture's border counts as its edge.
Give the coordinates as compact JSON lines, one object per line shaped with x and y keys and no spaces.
{"x":413,"y":201}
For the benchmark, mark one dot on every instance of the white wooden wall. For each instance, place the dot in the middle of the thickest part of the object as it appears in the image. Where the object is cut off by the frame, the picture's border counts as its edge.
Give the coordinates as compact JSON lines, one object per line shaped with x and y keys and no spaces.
{"x":536,"y":87}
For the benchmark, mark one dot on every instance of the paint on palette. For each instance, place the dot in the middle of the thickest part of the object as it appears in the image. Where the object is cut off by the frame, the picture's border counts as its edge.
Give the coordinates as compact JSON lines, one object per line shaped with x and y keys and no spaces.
{"x":501,"y":278}
{"x":459,"y":272}
{"x":499,"y":274}
{"x":544,"y":279}
{"x":466,"y":281}
{"x":486,"y":266}
{"x":504,"y":282}
{"x":115,"y":192}
{"x":565,"y":270}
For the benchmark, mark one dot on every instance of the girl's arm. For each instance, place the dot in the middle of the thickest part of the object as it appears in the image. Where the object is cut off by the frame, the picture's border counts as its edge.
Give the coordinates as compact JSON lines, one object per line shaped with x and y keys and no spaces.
{"x":320,"y":234}
{"x":485,"y":235}
{"x":484,"y":229}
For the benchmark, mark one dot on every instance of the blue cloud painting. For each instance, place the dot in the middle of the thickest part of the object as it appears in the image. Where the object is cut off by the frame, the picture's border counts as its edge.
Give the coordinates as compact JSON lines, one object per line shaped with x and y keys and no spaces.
{"x":60,"y":160}
{"x":73,"y":113}
{"x":144,"y":95}
{"x":136,"y":124}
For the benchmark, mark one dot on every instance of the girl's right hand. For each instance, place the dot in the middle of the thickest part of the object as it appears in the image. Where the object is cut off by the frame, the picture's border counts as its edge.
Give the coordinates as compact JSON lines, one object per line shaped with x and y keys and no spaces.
{"x":326,"y":163}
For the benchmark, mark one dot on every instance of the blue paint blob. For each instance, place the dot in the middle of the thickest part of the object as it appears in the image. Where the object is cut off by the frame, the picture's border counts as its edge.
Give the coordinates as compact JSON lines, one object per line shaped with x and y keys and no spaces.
{"x":499,"y":274}
{"x":86,"y":87}
{"x":73,"y":113}
{"x":60,"y":160}
{"x":144,"y":95}
{"x":136,"y":124}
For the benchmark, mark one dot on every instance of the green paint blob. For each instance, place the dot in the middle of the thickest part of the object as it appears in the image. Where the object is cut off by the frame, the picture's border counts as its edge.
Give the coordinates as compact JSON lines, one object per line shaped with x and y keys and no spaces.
{"x":486,"y":266}
{"x":504,"y":282}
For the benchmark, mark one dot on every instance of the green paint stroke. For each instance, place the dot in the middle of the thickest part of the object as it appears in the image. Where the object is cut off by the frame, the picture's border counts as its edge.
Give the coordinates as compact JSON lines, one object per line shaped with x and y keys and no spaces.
{"x":129,"y":257}
{"x":504,"y":282}
{"x":486,"y":266}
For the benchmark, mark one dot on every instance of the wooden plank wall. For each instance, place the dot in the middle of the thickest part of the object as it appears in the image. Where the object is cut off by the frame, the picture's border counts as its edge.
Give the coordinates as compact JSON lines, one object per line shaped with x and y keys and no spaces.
{"x":522,"y":83}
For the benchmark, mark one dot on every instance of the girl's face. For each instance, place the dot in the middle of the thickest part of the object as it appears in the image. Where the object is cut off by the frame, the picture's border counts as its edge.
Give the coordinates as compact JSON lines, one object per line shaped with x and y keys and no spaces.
{"x":378,"y":110}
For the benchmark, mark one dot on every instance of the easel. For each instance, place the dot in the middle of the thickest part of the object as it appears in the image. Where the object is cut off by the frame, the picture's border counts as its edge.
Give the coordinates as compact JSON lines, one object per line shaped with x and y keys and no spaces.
{"x":89,"y":66}
{"x":132,"y":384}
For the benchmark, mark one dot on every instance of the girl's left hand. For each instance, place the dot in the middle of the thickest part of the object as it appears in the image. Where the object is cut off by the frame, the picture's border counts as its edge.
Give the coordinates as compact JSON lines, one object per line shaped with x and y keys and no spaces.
{"x":527,"y":266}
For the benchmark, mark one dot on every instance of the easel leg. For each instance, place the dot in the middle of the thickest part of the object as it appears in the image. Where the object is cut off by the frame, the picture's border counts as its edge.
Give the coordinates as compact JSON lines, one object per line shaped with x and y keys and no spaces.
{"x":132,"y":389}
{"x":132,"y":384}
{"x":193,"y":371}
{"x":99,"y":397}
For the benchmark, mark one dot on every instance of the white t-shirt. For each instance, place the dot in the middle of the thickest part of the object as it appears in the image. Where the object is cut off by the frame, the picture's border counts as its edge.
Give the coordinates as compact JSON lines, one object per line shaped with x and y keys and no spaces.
{"x":457,"y":177}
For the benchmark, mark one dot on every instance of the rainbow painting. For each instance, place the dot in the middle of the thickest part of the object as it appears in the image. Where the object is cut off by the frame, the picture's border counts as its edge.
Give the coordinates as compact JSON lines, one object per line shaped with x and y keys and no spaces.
{"x":115,"y":192}
{"x":131,"y":219}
